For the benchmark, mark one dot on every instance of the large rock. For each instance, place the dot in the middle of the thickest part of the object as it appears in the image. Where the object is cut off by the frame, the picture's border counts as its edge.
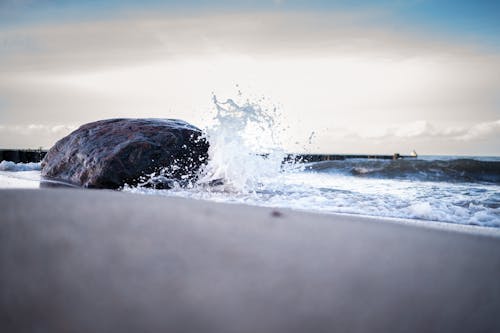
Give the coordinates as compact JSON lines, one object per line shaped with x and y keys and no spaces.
{"x":111,"y":153}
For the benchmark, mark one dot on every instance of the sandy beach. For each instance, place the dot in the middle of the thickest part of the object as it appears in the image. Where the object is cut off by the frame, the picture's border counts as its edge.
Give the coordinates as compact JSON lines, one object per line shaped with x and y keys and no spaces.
{"x":87,"y":261}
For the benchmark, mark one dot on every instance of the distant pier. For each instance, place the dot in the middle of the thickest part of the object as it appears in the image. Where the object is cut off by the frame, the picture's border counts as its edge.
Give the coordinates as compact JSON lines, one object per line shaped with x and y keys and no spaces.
{"x":36,"y":155}
{"x":328,"y":157}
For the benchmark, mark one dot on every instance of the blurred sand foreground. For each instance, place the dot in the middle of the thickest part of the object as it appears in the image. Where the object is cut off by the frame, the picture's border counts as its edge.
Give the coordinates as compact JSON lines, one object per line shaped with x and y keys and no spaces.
{"x":104,"y":261}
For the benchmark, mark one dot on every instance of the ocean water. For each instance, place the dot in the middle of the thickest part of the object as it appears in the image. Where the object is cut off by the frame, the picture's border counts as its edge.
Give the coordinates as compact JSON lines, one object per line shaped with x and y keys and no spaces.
{"x":333,"y":189}
{"x":246,"y":166}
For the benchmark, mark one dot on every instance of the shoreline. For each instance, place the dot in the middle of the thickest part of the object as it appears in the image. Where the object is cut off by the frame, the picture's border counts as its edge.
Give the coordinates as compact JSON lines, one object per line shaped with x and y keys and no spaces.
{"x":432,"y":224}
{"x":12,"y":183}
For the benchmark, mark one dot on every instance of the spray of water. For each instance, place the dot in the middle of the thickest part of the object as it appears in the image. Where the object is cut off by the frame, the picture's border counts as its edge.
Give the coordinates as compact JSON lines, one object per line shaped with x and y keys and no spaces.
{"x":244,"y":152}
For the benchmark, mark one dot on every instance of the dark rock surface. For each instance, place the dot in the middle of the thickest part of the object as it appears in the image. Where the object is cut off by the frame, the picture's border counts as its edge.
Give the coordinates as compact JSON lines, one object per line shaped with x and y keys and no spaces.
{"x":113,"y":152}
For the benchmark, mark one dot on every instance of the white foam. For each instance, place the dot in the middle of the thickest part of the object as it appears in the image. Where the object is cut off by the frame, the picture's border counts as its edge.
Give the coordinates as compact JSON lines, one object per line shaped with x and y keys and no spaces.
{"x":11,"y":166}
{"x":421,"y":210}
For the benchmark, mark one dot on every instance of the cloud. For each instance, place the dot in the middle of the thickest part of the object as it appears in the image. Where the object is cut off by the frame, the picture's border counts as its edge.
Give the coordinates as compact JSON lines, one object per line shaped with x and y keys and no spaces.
{"x":426,"y":138}
{"x":31,"y":129}
{"x":425,"y":130}
{"x":480,"y":131}
{"x":33,"y":135}
{"x":159,"y":37}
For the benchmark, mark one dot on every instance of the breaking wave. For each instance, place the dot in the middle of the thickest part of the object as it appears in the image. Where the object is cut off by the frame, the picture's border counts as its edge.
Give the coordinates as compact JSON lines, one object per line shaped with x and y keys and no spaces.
{"x":244,"y":151}
{"x":455,"y":170}
{"x":12,"y":166}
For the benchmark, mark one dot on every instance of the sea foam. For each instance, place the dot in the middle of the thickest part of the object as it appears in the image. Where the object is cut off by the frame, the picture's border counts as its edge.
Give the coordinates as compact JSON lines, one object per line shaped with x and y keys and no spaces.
{"x":11,"y":166}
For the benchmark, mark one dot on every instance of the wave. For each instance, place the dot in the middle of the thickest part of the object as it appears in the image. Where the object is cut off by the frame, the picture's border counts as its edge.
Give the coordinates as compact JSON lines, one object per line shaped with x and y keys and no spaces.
{"x":11,"y":166}
{"x":457,"y":170}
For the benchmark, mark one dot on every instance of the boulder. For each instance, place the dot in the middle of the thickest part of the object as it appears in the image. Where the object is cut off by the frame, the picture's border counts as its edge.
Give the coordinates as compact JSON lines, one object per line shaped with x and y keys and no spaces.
{"x":113,"y":152}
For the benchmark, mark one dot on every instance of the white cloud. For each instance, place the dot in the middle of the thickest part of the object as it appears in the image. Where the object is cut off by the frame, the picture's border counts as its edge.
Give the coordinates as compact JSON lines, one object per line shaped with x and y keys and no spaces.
{"x":32,"y":135}
{"x":425,"y":130}
{"x":33,"y":128}
{"x":159,"y":37}
{"x":481,"y":130}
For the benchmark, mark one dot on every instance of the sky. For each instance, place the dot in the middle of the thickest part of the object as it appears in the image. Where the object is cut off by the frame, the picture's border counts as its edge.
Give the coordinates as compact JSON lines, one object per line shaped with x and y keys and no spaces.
{"x":374,"y":77}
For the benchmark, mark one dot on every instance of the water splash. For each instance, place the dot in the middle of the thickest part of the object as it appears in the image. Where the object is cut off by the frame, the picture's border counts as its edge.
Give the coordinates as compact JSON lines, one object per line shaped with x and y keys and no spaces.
{"x":245,"y":151}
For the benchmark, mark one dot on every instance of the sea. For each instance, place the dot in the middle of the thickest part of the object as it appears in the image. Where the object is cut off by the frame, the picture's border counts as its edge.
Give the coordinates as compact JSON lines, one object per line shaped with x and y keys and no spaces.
{"x":247,"y":165}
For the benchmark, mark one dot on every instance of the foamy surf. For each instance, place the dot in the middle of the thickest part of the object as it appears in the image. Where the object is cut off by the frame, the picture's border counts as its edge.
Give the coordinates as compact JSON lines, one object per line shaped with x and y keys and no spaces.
{"x":19,"y":175}
{"x":11,"y":166}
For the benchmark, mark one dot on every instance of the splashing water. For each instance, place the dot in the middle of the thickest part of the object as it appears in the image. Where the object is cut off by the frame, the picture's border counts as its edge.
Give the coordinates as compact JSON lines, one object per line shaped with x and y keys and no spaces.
{"x":244,"y":151}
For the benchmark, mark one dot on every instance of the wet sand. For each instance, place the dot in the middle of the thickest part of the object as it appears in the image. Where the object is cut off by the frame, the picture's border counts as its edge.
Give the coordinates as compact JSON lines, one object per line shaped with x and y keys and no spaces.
{"x":88,"y":261}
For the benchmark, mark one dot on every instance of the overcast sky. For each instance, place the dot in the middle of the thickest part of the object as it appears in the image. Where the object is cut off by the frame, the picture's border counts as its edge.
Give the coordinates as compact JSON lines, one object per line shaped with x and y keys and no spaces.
{"x":364,"y":76}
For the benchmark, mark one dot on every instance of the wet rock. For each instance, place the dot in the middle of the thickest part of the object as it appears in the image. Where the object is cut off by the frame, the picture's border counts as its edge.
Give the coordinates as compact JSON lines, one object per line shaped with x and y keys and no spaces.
{"x":113,"y":152}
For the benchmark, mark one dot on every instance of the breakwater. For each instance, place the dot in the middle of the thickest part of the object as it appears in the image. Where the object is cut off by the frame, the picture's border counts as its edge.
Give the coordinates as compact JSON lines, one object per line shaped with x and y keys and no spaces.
{"x":306,"y":158}
{"x":22,"y":155}
{"x":36,"y":155}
